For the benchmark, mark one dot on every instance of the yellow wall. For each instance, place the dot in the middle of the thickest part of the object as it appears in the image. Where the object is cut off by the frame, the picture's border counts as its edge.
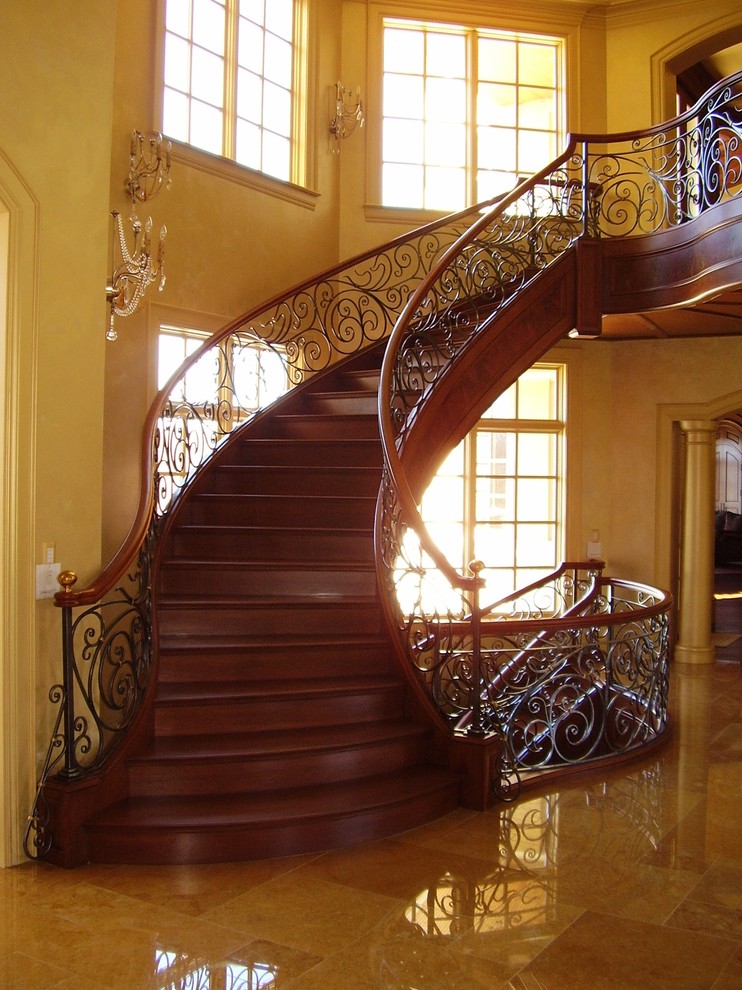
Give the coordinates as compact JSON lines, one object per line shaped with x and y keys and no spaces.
{"x":55,"y":126}
{"x":643,"y":37}
{"x":616,"y":391}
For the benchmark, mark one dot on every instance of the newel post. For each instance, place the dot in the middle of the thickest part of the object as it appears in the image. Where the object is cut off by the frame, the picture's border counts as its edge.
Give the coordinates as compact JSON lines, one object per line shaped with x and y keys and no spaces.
{"x":696,"y":600}
{"x":476,"y":728}
{"x":67,"y":579}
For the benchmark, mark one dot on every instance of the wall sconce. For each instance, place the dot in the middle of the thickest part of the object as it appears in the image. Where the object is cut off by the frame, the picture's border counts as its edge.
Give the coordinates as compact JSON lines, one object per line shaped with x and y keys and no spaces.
{"x":136,"y":271}
{"x":348,"y":114}
{"x":149,"y":170}
{"x":149,"y":166}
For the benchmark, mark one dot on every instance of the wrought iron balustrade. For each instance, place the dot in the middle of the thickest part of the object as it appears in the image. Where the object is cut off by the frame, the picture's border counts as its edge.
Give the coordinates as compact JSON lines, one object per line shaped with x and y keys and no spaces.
{"x":107,"y":626}
{"x":481,"y":676}
{"x":432,"y":292}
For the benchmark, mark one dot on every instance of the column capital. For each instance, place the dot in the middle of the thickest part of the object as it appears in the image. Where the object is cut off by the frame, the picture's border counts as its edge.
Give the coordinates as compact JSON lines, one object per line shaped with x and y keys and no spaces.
{"x":699,"y":426}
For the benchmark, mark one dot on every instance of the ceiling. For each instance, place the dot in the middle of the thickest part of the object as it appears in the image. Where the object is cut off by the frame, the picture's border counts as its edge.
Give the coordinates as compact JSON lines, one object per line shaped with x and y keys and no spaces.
{"x":720,"y":316}
{"x":726,"y":62}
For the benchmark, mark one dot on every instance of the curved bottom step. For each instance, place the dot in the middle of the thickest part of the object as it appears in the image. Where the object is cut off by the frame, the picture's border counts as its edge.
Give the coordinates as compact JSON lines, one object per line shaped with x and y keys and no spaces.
{"x":166,"y":831}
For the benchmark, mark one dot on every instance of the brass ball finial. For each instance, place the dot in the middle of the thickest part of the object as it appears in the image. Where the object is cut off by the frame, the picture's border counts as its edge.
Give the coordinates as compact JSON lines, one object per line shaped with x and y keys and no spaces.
{"x":67,"y":579}
{"x":476,"y":567}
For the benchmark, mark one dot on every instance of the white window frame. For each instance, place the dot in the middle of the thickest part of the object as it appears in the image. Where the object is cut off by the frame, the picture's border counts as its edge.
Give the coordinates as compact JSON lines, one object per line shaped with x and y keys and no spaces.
{"x":478,"y":17}
{"x":298,"y":187}
{"x":523,"y":574}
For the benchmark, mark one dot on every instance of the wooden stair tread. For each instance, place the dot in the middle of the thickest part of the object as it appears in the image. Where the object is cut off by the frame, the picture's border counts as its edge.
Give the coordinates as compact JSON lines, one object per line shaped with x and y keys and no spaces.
{"x":222,"y":563}
{"x":281,"y":498}
{"x":249,"y":644}
{"x":285,"y":743}
{"x":289,"y":468}
{"x":199,"y":601}
{"x":277,"y":808}
{"x":246,"y":528}
{"x":208,"y":691}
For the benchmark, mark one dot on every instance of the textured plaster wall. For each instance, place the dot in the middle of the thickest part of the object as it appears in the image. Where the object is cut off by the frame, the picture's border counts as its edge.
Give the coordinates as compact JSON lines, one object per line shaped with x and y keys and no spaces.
{"x":56,"y":87}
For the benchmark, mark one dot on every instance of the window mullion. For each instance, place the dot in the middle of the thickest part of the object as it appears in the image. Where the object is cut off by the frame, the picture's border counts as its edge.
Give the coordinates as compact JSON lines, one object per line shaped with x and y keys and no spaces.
{"x":301,"y":94}
{"x":470,"y":497}
{"x":230,"y":78}
{"x":472,"y":150}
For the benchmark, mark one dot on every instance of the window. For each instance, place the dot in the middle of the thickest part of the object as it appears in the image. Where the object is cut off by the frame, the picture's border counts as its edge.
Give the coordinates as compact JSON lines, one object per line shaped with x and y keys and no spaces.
{"x":255,"y":373}
{"x":498,"y":495}
{"x":230,"y":72}
{"x":214,"y":395}
{"x":466,"y":112}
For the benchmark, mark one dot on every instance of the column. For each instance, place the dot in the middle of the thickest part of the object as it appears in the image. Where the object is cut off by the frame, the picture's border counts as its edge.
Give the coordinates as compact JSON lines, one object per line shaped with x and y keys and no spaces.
{"x":696,"y":599}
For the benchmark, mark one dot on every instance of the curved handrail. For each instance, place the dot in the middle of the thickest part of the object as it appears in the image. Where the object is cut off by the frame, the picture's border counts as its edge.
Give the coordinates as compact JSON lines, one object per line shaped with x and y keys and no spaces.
{"x":108,"y":626}
{"x":386,"y":406}
{"x":284,"y":323}
{"x":474,"y":670}
{"x":658,"y":176}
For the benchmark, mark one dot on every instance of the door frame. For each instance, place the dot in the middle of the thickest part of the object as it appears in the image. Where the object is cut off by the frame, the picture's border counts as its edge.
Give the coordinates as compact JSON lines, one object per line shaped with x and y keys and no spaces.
{"x":18,"y":364}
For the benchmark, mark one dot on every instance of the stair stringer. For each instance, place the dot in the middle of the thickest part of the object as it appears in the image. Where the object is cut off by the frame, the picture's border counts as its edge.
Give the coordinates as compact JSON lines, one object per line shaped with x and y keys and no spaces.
{"x":521,"y":332}
{"x":498,"y":352}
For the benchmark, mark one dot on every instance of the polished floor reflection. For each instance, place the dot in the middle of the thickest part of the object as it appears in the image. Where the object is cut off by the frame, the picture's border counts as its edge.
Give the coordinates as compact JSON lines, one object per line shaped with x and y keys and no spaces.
{"x":630,"y":879}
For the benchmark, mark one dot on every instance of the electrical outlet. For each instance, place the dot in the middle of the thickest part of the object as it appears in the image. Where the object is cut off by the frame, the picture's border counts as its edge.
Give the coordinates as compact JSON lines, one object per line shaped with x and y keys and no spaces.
{"x":46,"y":580}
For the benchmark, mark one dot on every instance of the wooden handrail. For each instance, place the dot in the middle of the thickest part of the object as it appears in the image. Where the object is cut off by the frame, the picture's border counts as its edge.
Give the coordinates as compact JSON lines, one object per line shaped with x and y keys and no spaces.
{"x":115,"y":570}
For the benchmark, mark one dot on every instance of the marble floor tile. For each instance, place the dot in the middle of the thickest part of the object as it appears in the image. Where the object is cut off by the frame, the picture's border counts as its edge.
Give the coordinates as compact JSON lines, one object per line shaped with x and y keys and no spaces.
{"x":628,"y":879}
{"x":612,"y":953}
{"x":307,"y":913}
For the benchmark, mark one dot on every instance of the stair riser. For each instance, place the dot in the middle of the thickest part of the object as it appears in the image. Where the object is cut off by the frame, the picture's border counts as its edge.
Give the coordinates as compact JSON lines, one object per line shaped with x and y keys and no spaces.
{"x":320,"y":427}
{"x":256,"y":510}
{"x":260,"y":480}
{"x":267,"y":773}
{"x":349,"y":404}
{"x":339,"y":451}
{"x":261,"y":714}
{"x":264,"y":663}
{"x":359,"y":381}
{"x":199,"y":581}
{"x":233,"y":843}
{"x":273,"y":544}
{"x":218,"y":620}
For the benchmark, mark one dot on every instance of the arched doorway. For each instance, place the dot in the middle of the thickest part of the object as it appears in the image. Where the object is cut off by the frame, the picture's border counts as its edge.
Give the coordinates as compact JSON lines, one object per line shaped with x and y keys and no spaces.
{"x":697,"y":46}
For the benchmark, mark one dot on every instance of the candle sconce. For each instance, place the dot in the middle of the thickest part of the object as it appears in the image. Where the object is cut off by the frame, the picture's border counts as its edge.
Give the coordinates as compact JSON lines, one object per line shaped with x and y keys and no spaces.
{"x":347,"y":114}
{"x":131,"y":277}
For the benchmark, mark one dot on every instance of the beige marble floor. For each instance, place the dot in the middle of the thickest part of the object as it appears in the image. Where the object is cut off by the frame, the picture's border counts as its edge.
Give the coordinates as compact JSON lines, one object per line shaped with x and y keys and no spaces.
{"x":631,"y":879}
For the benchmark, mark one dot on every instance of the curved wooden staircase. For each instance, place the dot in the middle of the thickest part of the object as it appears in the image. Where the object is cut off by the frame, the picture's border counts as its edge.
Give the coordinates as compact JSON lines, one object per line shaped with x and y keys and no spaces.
{"x":269,"y":698}
{"x":281,"y":724}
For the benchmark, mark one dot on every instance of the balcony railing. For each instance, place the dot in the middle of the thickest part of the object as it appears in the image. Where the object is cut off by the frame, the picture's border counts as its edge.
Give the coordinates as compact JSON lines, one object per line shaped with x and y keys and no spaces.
{"x":580,"y":689}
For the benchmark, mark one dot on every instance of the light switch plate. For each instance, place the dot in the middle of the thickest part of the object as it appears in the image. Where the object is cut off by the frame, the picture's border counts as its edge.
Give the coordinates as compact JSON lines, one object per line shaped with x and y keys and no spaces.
{"x":46,"y":580}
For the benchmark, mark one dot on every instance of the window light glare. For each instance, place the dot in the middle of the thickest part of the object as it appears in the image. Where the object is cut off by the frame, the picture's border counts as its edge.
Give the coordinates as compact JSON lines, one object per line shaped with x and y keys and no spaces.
{"x":177,"y":63}
{"x":404,"y":51}
{"x":279,"y":18}
{"x":445,"y":56}
{"x":208,"y":25}
{"x":228,"y":66}
{"x":206,"y":77}
{"x":206,"y":127}
{"x":250,"y":47}
{"x":429,"y":76}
